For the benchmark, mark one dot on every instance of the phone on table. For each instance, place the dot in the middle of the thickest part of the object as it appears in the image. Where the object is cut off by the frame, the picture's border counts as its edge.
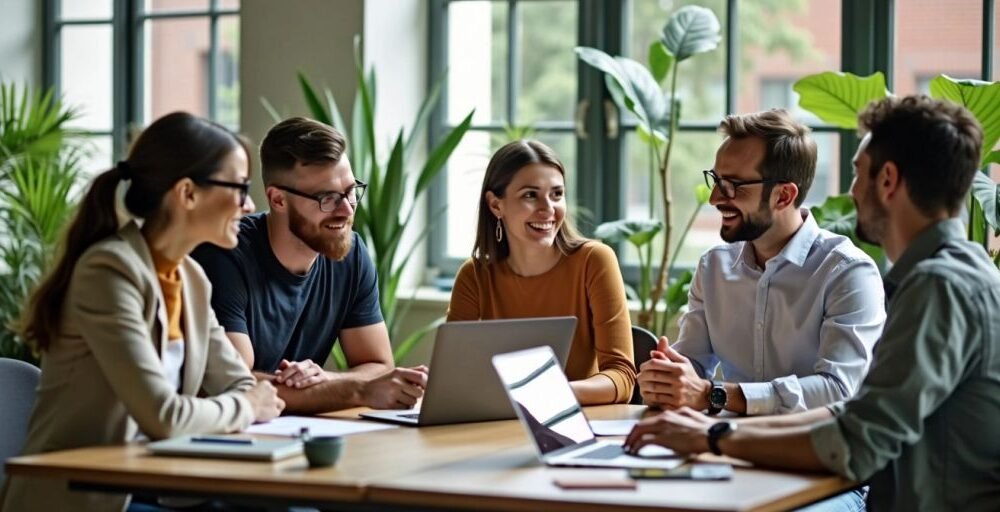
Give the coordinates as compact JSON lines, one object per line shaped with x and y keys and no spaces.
{"x":687,"y":471}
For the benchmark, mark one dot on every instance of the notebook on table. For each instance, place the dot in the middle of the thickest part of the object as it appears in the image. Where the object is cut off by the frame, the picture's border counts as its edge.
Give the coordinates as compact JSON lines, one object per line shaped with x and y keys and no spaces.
{"x":461,"y":386}
{"x":549,"y":412}
{"x":227,"y":447}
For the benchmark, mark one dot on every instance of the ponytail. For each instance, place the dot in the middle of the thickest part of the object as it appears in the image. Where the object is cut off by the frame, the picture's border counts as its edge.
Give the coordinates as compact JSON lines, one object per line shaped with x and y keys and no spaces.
{"x":96,"y":219}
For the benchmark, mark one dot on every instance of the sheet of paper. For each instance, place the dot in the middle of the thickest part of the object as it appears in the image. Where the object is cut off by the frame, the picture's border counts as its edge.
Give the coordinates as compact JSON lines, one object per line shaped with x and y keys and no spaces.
{"x":612,"y":427}
{"x":292,"y":425}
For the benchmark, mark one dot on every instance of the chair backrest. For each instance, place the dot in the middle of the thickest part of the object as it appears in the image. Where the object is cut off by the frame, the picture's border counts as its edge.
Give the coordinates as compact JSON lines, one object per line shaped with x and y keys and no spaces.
{"x":18,"y":380}
{"x":642,"y":342}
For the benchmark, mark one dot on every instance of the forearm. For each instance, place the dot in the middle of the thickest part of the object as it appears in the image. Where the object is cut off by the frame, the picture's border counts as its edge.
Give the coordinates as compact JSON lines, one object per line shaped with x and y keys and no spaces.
{"x":594,"y":390}
{"x":343,"y":390}
{"x":736,"y":401}
{"x":781,"y":448}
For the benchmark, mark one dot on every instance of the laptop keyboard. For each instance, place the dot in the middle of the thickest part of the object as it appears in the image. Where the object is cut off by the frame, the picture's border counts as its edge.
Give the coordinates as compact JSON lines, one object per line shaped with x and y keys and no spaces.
{"x":608,"y":452}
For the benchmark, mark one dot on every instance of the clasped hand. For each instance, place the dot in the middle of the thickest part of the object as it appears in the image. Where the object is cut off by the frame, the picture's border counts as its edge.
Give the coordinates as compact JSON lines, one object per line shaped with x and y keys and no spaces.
{"x":669,"y":381}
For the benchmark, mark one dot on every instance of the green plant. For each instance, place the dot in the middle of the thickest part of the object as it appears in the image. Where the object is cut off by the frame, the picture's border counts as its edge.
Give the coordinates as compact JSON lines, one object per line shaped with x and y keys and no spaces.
{"x":393,"y":190}
{"x":838,"y":98}
{"x":39,"y":171}
{"x":690,"y":31}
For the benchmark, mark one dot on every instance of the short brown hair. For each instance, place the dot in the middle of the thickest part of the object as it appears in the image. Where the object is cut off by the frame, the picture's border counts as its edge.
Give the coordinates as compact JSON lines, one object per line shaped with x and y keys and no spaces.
{"x":934,"y":144}
{"x":299,"y":140}
{"x":504,"y":164}
{"x":790,"y":154}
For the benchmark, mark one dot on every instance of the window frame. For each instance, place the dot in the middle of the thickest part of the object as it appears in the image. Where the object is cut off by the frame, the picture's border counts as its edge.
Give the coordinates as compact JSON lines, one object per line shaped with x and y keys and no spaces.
{"x":127,"y":23}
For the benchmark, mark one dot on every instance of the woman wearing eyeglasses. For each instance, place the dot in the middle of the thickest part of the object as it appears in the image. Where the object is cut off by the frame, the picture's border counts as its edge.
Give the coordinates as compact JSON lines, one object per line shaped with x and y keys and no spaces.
{"x":129,"y":343}
{"x":529,"y":261}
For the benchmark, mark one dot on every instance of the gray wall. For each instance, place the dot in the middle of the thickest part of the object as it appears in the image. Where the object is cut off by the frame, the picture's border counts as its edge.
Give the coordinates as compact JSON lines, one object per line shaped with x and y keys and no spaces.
{"x":21,"y":41}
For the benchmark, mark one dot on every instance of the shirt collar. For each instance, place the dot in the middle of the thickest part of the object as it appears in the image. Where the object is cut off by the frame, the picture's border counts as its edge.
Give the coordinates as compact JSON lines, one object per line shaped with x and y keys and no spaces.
{"x":923,"y":246}
{"x":795,"y":251}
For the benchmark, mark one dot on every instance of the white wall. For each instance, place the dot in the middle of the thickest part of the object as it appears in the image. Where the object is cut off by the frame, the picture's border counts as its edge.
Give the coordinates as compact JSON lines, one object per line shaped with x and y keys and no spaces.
{"x":21,"y":42}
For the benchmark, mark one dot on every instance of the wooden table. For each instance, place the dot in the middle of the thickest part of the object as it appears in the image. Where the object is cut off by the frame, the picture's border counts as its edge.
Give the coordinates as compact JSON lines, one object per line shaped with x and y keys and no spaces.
{"x":474,"y":465}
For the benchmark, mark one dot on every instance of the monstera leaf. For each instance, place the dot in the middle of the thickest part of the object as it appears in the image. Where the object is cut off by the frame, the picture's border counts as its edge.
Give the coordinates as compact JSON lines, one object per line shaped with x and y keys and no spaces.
{"x":631,"y":86}
{"x":980,"y":98}
{"x":637,"y":232}
{"x":987,"y":194}
{"x":836,"y":98}
{"x":837,"y":214}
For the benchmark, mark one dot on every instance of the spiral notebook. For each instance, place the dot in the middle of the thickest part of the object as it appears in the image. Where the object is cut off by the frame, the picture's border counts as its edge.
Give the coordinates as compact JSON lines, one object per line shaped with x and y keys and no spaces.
{"x":227,"y":447}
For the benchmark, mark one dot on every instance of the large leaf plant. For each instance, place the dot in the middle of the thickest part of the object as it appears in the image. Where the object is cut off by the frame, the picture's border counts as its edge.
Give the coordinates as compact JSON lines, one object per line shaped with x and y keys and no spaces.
{"x":838,"y":98}
{"x":395,"y":185}
{"x":690,"y":31}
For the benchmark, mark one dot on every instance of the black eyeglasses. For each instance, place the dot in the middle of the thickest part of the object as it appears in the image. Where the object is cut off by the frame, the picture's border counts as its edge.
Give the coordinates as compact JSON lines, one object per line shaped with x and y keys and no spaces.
{"x":329,"y":201}
{"x":243,"y":187}
{"x":728,"y":186}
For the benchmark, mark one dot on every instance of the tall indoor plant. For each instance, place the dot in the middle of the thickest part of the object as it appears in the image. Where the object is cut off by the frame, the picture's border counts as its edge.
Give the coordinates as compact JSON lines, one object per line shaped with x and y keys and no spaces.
{"x":690,"y":31}
{"x":838,"y":98}
{"x":395,"y":184}
{"x":39,"y":171}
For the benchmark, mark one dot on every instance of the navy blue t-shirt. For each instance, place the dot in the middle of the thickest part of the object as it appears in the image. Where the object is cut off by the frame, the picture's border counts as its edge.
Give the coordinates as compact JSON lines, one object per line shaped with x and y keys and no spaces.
{"x":288,"y":316}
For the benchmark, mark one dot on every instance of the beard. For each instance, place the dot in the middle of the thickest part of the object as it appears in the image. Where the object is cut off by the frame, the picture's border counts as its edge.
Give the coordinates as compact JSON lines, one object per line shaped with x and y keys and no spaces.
{"x":870,"y":227}
{"x":333,"y":245}
{"x":751,"y":226}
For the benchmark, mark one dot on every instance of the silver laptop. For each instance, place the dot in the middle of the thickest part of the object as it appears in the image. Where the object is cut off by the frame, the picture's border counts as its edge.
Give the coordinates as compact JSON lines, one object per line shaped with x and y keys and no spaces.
{"x":461,"y":386}
{"x":548,"y":410}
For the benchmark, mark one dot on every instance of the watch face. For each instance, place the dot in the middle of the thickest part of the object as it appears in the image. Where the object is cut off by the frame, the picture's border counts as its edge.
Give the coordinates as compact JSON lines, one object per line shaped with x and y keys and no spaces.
{"x":718,"y":397}
{"x":720,"y":428}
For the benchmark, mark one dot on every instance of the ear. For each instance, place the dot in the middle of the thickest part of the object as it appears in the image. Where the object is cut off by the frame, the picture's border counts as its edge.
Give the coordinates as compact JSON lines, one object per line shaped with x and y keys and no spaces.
{"x":888,"y":182}
{"x":185,"y":192}
{"x":496,"y":206}
{"x":785,"y":193}
{"x":275,"y":199}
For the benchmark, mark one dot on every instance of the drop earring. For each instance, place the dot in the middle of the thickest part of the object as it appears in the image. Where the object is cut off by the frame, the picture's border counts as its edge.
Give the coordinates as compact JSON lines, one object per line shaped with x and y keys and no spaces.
{"x":499,"y":230}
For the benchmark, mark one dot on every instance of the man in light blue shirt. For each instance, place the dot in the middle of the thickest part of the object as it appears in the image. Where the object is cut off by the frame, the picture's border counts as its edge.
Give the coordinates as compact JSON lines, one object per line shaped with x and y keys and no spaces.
{"x":788,"y":310}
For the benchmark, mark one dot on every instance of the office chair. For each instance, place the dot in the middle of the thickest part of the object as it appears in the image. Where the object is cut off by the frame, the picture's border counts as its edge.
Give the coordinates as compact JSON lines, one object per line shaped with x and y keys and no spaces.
{"x":642,"y":342}
{"x":19,"y":381}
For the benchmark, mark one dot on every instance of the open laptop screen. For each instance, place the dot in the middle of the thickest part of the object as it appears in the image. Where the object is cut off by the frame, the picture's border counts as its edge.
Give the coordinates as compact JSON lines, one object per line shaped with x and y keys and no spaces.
{"x":543,"y":398}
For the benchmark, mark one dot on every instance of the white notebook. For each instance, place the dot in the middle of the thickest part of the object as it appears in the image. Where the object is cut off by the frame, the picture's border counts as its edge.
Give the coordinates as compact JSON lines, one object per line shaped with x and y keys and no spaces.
{"x":227,"y":447}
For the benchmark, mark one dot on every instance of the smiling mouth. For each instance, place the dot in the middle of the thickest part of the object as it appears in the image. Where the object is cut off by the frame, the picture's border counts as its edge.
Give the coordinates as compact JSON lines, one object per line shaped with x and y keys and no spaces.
{"x":728,"y":214}
{"x":542,"y":226}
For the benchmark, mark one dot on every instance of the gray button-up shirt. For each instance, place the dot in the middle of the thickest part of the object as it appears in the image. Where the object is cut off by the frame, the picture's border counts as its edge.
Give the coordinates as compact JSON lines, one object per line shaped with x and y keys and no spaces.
{"x":925,"y":425}
{"x":797,"y":334}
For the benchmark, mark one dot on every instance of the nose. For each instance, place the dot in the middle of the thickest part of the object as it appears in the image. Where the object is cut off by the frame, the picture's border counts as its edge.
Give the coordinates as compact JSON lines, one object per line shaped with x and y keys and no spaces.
{"x":716,"y":197}
{"x":249,"y":206}
{"x":343,"y":205}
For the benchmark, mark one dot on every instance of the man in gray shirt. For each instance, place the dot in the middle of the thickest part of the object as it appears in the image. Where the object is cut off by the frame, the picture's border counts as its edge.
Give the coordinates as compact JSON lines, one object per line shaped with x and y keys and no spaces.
{"x":922,"y":429}
{"x":789,"y":311}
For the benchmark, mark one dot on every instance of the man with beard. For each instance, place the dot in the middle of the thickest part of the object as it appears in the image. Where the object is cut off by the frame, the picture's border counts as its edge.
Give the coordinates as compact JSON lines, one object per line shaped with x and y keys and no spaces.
{"x":788,"y":310}
{"x":922,"y":429}
{"x":301,"y":279}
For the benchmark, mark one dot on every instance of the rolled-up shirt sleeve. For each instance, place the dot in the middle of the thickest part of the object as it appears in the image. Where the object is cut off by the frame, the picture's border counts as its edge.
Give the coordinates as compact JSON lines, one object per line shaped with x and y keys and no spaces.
{"x":853,"y":316}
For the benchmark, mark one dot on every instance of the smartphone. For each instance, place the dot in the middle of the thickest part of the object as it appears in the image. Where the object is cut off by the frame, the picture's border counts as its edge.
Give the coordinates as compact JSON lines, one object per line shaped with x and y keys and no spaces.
{"x":688,"y":471}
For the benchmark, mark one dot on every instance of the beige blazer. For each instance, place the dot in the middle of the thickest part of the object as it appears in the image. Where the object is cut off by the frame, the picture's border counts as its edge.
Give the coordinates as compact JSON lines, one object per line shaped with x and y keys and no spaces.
{"x":103,"y":382}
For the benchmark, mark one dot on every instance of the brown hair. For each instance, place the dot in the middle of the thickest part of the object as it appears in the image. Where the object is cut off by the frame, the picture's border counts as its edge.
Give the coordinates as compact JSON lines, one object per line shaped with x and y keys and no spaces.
{"x":506,"y":162}
{"x":175,"y":146}
{"x":935,"y":145}
{"x":298,"y":140}
{"x":790,"y":154}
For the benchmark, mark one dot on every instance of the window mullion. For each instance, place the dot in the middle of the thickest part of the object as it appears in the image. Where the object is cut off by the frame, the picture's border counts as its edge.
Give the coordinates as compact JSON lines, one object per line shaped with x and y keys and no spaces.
{"x":513,"y":63}
{"x":989,"y":37}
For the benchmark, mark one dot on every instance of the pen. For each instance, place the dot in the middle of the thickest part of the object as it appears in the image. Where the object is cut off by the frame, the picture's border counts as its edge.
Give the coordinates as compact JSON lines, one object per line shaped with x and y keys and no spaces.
{"x":222,"y":440}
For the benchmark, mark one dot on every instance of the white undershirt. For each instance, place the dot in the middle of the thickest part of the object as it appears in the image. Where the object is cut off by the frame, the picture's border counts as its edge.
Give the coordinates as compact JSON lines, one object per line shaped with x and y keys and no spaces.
{"x":173,"y":361}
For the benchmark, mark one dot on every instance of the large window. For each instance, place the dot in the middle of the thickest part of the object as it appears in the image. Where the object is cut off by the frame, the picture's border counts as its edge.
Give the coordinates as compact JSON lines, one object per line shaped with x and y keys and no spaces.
{"x":512,"y":61}
{"x":124,"y":63}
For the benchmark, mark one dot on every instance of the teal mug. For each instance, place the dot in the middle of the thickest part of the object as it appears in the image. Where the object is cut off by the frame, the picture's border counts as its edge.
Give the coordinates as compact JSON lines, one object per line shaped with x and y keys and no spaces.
{"x":323,"y":451}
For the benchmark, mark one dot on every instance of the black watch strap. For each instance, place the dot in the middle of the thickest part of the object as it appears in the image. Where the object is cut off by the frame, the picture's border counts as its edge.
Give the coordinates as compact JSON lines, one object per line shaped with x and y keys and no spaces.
{"x":716,"y":432}
{"x":717,"y":398}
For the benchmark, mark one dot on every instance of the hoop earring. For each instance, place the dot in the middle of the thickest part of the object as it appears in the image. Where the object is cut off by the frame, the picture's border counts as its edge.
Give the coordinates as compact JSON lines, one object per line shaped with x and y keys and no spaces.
{"x":499,"y":230}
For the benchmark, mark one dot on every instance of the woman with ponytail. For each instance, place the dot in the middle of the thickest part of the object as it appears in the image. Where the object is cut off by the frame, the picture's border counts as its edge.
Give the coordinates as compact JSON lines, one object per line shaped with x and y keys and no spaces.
{"x":130,"y":346}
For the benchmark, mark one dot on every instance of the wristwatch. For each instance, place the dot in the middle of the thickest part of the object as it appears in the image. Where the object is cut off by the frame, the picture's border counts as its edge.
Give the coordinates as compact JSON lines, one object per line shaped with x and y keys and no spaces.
{"x":717,"y":432}
{"x":717,"y":398}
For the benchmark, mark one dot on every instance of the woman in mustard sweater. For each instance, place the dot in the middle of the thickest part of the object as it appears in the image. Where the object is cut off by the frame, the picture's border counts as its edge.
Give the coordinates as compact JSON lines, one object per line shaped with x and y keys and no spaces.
{"x":529,"y":261}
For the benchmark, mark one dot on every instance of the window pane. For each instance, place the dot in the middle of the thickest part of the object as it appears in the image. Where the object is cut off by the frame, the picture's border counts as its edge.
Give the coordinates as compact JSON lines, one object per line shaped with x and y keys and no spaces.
{"x":229,"y":4}
{"x":701,"y":79}
{"x":693,"y":152}
{"x":176,"y":5}
{"x":477,"y":61}
{"x":227,"y":77}
{"x":935,"y":37}
{"x":98,"y":155}
{"x":803,"y":37}
{"x":466,"y":169}
{"x":176,"y":67}
{"x":86,"y":74}
{"x":548,"y":64}
{"x":85,"y":9}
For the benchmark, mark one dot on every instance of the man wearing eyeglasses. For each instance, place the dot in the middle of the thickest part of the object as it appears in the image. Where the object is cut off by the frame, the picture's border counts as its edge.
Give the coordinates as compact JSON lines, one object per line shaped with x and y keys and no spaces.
{"x":301,"y":280}
{"x":789,"y":311}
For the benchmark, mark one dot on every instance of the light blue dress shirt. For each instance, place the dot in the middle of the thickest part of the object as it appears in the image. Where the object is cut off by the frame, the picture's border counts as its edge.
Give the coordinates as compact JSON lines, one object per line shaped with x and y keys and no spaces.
{"x":796,"y":334}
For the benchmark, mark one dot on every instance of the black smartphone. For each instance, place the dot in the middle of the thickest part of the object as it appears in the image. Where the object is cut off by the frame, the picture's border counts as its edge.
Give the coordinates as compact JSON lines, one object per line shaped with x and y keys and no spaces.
{"x":688,"y":471}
